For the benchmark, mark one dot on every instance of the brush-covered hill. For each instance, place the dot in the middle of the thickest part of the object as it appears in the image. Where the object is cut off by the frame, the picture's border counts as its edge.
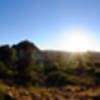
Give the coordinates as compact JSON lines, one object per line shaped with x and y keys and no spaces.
{"x":88,"y":58}
{"x":24,"y":63}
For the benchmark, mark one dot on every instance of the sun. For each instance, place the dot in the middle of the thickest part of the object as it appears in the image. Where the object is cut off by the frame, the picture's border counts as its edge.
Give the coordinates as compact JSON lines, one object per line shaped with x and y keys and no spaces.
{"x":78,"y":43}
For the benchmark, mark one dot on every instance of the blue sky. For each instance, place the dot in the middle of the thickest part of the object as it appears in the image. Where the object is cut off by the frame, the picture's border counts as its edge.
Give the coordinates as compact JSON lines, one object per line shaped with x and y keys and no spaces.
{"x":44,"y":21}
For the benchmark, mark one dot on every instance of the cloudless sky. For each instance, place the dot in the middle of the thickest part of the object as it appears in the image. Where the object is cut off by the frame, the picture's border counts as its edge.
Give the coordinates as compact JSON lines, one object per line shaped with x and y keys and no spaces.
{"x":42,"y":21}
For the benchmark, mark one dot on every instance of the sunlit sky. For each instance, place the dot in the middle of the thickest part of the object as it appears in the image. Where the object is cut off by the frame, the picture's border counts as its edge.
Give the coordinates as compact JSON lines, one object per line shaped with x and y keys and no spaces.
{"x":50,"y":23}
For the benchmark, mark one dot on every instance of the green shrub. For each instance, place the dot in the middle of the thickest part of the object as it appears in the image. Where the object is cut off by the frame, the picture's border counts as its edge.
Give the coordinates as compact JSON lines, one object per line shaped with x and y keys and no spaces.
{"x":57,"y":78}
{"x":50,"y":68}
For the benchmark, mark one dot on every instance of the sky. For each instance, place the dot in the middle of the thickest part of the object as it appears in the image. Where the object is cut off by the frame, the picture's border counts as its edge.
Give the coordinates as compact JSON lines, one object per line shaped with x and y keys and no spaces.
{"x":48,"y":23}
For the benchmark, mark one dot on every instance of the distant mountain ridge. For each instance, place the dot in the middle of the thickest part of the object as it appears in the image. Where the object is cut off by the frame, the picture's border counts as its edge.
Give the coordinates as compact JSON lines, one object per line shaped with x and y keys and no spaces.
{"x":87,"y":57}
{"x":26,"y":49}
{"x":59,"y":56}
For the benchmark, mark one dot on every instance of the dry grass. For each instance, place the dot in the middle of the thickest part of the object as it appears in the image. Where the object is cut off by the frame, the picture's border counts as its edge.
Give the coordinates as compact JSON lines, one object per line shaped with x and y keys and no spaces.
{"x":42,"y":93}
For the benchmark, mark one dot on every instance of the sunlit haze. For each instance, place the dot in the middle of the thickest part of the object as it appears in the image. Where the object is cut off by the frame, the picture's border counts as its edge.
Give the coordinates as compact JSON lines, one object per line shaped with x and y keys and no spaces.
{"x":79,"y":41}
{"x":75,"y":40}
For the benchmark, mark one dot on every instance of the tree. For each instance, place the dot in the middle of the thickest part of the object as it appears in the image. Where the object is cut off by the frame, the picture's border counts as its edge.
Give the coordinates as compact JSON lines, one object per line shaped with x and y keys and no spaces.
{"x":25,"y":62}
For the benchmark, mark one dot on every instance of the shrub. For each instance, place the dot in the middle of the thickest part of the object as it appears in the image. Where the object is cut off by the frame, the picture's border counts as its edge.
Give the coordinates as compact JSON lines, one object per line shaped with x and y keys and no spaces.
{"x":57,"y":78}
{"x":50,"y":68}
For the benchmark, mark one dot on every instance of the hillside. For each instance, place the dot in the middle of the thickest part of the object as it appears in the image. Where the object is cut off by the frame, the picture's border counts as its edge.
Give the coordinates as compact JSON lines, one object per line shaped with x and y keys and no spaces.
{"x":89,"y":58}
{"x":26,"y":57}
{"x":26,"y":66}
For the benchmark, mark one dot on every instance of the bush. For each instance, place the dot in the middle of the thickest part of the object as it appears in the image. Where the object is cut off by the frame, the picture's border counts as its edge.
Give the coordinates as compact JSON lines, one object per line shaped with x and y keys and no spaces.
{"x":3,"y":70}
{"x":57,"y":78}
{"x":50,"y":68}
